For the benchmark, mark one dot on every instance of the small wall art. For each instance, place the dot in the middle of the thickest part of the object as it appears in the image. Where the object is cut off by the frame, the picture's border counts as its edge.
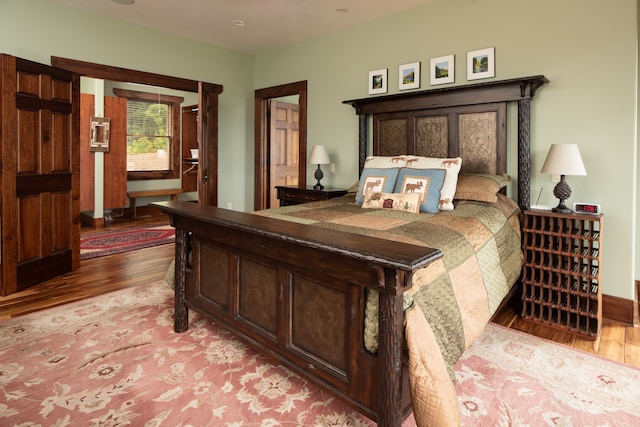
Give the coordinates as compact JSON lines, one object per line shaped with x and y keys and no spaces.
{"x":481,"y":64}
{"x":99,"y":140}
{"x":378,"y":81}
{"x":442,"y":70}
{"x":409,"y":76}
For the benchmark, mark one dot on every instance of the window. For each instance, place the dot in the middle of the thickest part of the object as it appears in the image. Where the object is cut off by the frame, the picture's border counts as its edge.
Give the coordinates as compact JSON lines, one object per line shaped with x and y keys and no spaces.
{"x":153,"y":135}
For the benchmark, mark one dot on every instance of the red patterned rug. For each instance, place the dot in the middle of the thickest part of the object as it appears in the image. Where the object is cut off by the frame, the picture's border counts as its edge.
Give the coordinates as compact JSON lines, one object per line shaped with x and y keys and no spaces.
{"x":115,"y":360}
{"x":115,"y":242}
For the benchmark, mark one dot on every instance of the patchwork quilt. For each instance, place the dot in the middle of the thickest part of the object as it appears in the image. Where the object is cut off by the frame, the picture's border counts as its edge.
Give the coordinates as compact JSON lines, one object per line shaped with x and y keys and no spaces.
{"x":451,"y":300}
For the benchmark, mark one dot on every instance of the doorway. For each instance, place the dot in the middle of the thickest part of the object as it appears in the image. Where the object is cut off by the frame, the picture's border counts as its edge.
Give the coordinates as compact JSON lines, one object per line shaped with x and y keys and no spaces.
{"x":266,"y":151}
{"x":207,"y":126}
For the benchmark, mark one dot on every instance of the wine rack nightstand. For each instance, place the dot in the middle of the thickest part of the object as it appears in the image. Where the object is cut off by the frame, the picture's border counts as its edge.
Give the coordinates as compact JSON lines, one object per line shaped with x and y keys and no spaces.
{"x":561,"y":280}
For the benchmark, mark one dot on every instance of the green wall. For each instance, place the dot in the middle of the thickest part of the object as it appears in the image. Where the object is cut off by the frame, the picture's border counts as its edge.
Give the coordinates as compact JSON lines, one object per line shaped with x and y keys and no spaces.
{"x":586,"y":48}
{"x":39,"y":29}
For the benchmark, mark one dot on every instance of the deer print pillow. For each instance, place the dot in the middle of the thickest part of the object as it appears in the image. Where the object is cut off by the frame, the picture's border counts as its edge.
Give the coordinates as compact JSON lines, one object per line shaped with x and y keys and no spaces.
{"x":452,"y":168}
{"x":426,"y":182}
{"x":376,"y":180}
{"x":407,"y":202}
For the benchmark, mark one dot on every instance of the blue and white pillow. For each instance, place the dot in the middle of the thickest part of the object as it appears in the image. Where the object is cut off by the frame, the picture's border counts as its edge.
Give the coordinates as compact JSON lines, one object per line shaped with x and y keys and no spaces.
{"x":426,"y":182}
{"x":376,"y":180}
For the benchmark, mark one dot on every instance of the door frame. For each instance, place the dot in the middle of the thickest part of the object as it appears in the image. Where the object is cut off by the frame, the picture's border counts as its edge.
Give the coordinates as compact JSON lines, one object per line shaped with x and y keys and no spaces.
{"x":261,"y":174}
{"x":207,"y":104}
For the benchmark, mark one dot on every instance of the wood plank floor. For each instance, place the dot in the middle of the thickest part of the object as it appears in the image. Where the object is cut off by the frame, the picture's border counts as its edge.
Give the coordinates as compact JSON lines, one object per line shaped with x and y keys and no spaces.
{"x":101,"y":275}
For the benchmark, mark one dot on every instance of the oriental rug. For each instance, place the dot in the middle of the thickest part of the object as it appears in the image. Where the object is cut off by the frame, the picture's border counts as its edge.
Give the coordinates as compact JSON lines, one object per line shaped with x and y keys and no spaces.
{"x":115,"y":360}
{"x":124,"y":240}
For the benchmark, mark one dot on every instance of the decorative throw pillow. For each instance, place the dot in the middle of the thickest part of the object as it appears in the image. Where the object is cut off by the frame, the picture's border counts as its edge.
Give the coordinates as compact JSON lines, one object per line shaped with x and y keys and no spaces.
{"x":385,"y":162}
{"x":376,"y":180}
{"x":407,"y":202}
{"x":425,"y":182}
{"x":451,"y":166}
{"x":480,"y":187}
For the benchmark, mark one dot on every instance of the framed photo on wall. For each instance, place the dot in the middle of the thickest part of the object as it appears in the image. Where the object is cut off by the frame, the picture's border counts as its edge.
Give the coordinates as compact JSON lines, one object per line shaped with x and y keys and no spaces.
{"x":409,"y":76}
{"x":378,"y":81}
{"x":442,"y":70}
{"x":99,"y":140}
{"x":481,"y":64}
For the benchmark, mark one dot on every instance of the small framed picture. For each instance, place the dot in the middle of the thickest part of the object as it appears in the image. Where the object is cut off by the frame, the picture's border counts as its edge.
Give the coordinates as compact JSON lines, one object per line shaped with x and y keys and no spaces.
{"x":409,"y":76}
{"x":442,"y":70}
{"x":378,"y":81}
{"x":99,"y":138}
{"x":481,"y":64}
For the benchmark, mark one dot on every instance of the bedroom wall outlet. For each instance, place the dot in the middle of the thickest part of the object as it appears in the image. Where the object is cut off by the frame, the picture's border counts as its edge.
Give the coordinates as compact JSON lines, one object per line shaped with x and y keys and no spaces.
{"x":555,"y":177}
{"x":332,"y":167}
{"x":229,"y":205}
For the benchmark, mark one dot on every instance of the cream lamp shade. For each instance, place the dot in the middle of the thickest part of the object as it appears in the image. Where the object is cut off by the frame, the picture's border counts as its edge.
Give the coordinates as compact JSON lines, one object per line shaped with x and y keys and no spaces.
{"x":563,"y":159}
{"x":319,"y":156}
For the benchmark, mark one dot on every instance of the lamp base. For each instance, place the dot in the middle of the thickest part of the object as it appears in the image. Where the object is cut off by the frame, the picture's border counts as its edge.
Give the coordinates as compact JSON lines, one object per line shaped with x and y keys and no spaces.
{"x":318,"y":175}
{"x":562,"y":191}
{"x":561,"y":208}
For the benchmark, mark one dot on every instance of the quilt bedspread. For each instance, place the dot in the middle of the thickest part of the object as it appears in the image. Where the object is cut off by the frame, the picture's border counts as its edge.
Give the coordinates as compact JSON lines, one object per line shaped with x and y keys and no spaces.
{"x":451,"y":299}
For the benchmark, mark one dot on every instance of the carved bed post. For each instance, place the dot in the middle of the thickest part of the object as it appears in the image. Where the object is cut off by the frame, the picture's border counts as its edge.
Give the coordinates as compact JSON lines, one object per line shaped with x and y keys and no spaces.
{"x":362,"y":142}
{"x":390,"y":336}
{"x":524,"y":153}
{"x":181,"y":315}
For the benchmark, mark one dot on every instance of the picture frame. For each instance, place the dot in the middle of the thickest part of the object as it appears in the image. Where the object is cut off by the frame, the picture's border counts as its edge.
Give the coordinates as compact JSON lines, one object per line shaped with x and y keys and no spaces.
{"x":481,"y":64}
{"x":378,"y":81}
{"x":442,"y":70}
{"x":99,"y":140}
{"x":409,"y":76}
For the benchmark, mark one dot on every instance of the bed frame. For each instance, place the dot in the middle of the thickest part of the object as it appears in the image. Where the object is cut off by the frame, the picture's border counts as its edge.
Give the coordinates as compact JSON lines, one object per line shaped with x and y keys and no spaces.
{"x":296,"y":292}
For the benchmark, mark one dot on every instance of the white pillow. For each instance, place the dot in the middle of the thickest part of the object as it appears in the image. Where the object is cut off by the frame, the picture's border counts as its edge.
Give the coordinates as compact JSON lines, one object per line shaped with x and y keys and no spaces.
{"x":385,"y":162}
{"x":452,"y":169}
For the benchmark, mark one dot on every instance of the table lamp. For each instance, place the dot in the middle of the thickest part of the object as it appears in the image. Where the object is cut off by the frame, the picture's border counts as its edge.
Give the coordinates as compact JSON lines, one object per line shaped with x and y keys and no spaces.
{"x":563,"y":159}
{"x":319,"y":156}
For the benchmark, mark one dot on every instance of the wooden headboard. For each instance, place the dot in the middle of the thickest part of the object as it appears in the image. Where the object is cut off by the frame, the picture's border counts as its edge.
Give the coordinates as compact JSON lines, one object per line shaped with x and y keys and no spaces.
{"x":467,"y":121}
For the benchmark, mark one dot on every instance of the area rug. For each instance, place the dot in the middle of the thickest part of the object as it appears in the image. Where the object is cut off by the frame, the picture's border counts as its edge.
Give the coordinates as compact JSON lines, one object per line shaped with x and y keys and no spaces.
{"x":118,"y":241}
{"x":115,"y":360}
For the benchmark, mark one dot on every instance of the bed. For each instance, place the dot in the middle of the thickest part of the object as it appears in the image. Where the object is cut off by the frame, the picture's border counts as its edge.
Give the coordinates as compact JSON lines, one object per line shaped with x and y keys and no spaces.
{"x":337,"y":291}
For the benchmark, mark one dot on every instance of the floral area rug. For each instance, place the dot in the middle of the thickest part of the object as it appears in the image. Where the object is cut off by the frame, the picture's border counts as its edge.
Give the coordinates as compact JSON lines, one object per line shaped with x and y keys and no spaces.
{"x":114,"y":360}
{"x":509,"y":378}
{"x":115,"y":242}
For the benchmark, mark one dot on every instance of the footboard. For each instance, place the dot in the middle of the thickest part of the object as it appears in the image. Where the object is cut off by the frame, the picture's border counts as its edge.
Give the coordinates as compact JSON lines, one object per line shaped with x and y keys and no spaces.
{"x":297,"y":293}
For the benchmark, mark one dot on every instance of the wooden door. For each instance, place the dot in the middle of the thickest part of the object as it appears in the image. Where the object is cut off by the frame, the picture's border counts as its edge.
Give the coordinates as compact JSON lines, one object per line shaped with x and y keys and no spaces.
{"x":87,"y":158}
{"x":40,"y":182}
{"x":189,"y":141}
{"x":115,"y":160}
{"x":208,"y":143}
{"x":284,"y":148}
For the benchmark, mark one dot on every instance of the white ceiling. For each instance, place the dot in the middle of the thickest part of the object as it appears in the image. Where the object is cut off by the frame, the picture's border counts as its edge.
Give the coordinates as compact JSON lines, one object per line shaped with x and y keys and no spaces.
{"x":270,"y":24}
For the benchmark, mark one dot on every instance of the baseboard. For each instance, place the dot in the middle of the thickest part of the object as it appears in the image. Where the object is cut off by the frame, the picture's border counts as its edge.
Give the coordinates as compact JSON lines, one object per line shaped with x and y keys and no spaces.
{"x":87,"y":220}
{"x":621,"y":309}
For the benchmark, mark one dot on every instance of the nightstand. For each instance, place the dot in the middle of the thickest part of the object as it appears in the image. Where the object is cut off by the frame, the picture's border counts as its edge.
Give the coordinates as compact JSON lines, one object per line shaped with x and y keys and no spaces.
{"x":296,"y":195}
{"x":561,"y":279}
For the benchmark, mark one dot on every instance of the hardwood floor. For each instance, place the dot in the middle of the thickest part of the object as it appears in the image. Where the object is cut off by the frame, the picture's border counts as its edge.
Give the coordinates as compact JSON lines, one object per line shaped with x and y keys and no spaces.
{"x":101,"y":275}
{"x":96,"y":276}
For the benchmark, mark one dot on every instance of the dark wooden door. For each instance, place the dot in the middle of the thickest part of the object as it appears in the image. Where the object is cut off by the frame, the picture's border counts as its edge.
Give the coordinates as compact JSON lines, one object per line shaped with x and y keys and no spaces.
{"x":39,"y":141}
{"x":189,"y":141}
{"x":208,"y":143}
{"x":284,"y":151}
